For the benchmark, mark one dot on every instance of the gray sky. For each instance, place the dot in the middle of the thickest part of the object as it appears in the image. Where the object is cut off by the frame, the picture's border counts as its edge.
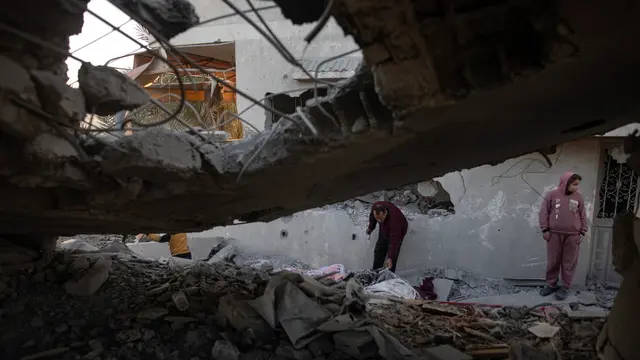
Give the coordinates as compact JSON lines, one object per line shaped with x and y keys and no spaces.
{"x":112,"y":45}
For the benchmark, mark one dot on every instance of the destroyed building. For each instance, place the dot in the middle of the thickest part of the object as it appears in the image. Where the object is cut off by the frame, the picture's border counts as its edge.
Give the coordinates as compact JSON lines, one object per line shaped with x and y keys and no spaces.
{"x":429,"y":86}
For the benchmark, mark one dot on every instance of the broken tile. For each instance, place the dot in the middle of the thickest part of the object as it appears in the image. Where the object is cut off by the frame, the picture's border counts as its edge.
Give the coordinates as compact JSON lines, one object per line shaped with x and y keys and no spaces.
{"x":544,"y":330}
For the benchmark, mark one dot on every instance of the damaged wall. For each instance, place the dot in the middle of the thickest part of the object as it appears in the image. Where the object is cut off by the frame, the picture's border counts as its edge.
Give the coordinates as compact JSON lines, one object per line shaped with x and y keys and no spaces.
{"x":494,"y":231}
{"x":260,"y":68}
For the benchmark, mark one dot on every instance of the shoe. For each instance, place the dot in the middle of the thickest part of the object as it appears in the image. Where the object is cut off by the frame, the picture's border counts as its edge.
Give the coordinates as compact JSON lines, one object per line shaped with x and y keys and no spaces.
{"x":562,"y":293}
{"x":548,"y":290}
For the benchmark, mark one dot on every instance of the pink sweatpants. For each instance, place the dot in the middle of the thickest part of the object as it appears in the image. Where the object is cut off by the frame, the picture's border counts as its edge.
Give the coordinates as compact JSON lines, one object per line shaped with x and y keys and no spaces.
{"x":562,"y":255}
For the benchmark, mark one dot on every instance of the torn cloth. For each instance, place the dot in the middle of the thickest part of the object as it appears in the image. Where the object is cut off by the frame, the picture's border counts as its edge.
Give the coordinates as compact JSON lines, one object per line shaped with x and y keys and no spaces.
{"x":303,"y":319}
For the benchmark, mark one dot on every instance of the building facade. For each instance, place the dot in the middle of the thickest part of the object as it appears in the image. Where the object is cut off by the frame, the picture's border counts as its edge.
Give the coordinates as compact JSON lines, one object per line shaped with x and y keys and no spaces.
{"x":260,"y":68}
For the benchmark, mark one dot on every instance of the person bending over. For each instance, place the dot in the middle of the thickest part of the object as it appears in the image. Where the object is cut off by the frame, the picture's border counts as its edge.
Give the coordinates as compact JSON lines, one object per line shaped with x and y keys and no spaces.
{"x":393,"y":228}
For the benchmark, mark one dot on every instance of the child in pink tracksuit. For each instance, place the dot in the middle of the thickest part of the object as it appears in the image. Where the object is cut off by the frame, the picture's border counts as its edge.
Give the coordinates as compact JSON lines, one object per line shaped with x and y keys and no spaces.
{"x":563,"y":222}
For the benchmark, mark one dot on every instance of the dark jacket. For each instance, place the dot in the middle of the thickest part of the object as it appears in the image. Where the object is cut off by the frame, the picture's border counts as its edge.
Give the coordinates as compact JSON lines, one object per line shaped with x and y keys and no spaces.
{"x":393,"y":228}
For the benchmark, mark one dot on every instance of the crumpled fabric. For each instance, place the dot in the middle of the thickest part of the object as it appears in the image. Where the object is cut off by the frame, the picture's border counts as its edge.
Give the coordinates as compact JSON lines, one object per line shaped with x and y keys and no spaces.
{"x":398,"y":288}
{"x":304,"y":319}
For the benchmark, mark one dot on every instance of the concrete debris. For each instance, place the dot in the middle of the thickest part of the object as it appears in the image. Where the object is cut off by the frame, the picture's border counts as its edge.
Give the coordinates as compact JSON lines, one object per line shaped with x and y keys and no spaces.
{"x":446,"y":352}
{"x":226,"y":254}
{"x":148,"y":309}
{"x":155,"y":155}
{"x":107,"y":91}
{"x":65,"y":103}
{"x":544,"y":330}
{"x":224,"y":350}
{"x":169,"y":18}
{"x":76,"y":244}
{"x":442,"y":287}
{"x":586,"y":298}
{"x":91,"y":280}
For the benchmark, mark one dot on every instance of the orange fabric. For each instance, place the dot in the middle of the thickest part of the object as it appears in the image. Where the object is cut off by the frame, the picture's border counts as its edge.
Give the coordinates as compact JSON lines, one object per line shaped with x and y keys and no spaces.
{"x":177,"y":244}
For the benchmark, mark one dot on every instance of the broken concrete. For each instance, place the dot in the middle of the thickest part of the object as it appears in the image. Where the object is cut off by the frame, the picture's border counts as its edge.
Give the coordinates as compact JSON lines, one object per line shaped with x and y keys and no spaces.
{"x":107,"y":91}
{"x":58,"y":99}
{"x":169,"y":18}
{"x":91,"y":280}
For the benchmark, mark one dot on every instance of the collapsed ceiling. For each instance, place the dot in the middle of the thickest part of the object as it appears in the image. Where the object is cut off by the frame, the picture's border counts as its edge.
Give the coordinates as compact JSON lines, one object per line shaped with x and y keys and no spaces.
{"x":444,"y":88}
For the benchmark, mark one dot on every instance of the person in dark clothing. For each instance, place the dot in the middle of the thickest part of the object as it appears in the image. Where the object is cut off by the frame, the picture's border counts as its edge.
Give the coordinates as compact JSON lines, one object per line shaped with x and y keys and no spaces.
{"x":393,"y":228}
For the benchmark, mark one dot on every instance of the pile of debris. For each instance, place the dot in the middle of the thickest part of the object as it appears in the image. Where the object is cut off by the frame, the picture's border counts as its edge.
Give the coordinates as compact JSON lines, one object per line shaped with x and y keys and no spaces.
{"x":113,"y":304}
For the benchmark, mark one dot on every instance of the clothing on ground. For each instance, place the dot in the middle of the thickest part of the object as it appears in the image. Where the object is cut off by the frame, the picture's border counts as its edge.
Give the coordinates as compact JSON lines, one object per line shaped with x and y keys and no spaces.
{"x":381,"y":251}
{"x":562,"y":257}
{"x":563,"y":213}
{"x":426,"y":289}
{"x":394,"y":228}
{"x":177,"y":242}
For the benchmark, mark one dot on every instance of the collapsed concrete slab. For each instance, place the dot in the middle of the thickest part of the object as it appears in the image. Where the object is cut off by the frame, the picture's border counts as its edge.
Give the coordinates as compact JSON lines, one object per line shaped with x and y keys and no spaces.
{"x":410,"y":131}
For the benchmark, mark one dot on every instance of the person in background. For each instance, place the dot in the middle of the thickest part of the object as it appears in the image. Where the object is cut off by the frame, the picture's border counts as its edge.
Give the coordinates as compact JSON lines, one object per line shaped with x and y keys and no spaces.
{"x":177,"y":243}
{"x":563,"y":222}
{"x":393,"y":228}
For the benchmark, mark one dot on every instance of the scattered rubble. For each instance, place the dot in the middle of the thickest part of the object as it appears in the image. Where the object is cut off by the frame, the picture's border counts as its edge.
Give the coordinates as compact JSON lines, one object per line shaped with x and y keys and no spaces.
{"x":112,"y":304}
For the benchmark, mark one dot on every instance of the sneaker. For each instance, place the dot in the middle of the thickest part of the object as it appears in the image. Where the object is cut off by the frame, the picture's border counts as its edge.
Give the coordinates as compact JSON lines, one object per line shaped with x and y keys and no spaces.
{"x":562,"y":293}
{"x":548,"y":290}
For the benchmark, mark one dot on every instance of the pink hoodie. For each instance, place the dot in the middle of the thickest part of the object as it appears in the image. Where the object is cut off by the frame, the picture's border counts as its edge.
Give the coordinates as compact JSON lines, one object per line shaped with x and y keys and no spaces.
{"x":562,"y":213}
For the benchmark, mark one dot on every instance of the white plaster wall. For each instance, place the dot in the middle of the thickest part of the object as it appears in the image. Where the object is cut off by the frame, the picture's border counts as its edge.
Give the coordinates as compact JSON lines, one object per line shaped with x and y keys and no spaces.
{"x":260,"y":68}
{"x":493,"y":233}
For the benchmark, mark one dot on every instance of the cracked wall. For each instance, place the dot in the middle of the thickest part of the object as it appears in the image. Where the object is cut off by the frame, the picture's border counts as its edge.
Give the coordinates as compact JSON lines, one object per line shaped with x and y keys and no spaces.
{"x":494,"y":231}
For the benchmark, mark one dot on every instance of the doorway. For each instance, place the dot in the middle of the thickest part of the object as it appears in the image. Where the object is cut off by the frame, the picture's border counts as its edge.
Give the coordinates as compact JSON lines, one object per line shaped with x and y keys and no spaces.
{"x":617,"y":192}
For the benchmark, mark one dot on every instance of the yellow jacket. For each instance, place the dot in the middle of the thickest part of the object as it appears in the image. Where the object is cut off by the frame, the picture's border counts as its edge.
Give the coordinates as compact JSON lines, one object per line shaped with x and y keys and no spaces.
{"x":177,"y":242}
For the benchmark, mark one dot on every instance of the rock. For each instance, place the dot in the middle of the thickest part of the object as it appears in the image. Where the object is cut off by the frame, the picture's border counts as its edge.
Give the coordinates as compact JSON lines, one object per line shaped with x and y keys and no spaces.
{"x":446,"y":352}
{"x":153,"y":313}
{"x":107,"y":91}
{"x":224,"y":350}
{"x":287,"y":351}
{"x":242,"y":316}
{"x":158,"y":155}
{"x":129,"y":335}
{"x":587,"y":298}
{"x":91,"y":280}
{"x":57,"y":98}
{"x":180,"y":300}
{"x":356,"y":344}
{"x":225,"y":255}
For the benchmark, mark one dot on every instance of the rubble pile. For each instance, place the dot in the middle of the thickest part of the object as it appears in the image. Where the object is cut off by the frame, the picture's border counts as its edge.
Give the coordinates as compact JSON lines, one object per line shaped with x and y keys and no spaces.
{"x":492,"y":332}
{"x":113,"y":304}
